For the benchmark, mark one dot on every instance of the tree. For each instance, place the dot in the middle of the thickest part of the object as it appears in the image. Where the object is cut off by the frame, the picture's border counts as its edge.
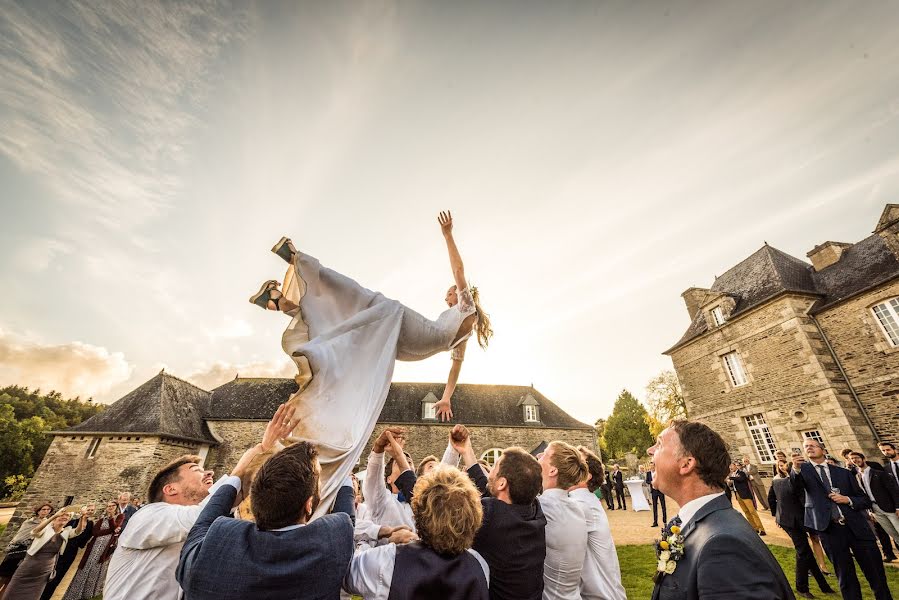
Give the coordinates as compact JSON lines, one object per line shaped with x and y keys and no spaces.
{"x":25,"y":418}
{"x":626,"y":429}
{"x":665,"y":400}
{"x":600,"y":428}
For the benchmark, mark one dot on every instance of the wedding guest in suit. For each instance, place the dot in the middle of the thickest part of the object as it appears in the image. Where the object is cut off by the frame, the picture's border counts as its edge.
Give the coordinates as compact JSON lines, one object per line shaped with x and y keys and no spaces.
{"x":512,"y":537}
{"x":88,"y":580}
{"x":601,"y":577}
{"x":789,"y":515}
{"x":658,"y":498}
{"x":618,"y":482}
{"x":740,"y":480}
{"x":883,"y":538}
{"x":890,"y":458}
{"x":755,"y":482}
{"x":835,"y":507}
{"x":606,"y":489}
{"x":641,"y":475}
{"x":883,"y":491}
{"x":283,"y":554}
{"x":126,"y":507}
{"x":721,"y":557}
{"x":562,"y":467}
{"x":64,"y":563}
{"x":448,"y":514}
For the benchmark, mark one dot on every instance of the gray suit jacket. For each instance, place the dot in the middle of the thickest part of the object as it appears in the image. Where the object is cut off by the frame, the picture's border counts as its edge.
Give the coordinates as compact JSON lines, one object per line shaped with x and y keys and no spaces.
{"x":723,"y":558}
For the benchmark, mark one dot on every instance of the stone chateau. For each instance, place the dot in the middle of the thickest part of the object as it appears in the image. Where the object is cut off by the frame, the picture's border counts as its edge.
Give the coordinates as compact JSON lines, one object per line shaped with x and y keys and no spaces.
{"x":124,"y":446}
{"x":780,"y":350}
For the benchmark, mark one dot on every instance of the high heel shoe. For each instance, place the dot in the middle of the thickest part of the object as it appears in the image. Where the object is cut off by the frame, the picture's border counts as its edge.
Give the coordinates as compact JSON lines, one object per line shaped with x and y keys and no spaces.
{"x":284,"y":248}
{"x":264,"y":295}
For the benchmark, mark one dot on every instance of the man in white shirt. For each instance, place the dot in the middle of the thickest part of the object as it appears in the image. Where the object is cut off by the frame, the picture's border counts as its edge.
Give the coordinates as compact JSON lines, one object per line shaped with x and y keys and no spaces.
{"x":384,"y":506}
{"x":566,"y":536}
{"x":144,"y":562}
{"x":601,"y":577}
{"x":721,"y":556}
{"x":890,"y":459}
{"x":883,"y":491}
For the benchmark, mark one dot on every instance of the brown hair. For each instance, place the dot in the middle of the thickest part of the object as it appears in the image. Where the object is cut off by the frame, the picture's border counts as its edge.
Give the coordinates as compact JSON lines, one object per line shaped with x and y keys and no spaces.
{"x":570,"y":464}
{"x":707,"y":447}
{"x":169,"y":474}
{"x":447,"y":509}
{"x":388,"y":467}
{"x":483,"y":327}
{"x":855,"y":453}
{"x":522,"y":473}
{"x":421,"y":466}
{"x":783,"y":468}
{"x":594,"y":467}
{"x":38,"y":507}
{"x":283,"y":485}
{"x":846,"y":452}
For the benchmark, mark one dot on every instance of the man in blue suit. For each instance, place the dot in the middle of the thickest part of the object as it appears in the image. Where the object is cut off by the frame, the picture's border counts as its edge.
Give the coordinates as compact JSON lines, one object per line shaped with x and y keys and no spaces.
{"x":835,"y":508}
{"x":282,"y":555}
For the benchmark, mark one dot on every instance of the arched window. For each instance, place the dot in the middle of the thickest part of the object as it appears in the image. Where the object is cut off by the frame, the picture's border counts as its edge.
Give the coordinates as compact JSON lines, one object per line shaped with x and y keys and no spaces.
{"x":887,"y":314}
{"x":492,"y":455}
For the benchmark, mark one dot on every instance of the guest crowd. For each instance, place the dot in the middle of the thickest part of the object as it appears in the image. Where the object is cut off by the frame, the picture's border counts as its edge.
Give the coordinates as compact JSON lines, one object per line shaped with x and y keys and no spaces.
{"x":455,"y":527}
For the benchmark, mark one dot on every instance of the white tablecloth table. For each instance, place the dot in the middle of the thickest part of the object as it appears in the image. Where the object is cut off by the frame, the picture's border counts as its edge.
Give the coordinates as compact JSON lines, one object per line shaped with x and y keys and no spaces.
{"x":638,"y":500}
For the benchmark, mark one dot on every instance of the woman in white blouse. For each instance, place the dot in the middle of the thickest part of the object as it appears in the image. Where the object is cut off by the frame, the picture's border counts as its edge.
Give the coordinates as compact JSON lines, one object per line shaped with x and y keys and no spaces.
{"x":345,"y":340}
{"x":50,"y":538}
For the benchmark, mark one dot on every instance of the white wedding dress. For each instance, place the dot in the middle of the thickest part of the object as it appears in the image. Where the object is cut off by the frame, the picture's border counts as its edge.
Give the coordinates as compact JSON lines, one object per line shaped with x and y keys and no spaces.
{"x":345,"y":340}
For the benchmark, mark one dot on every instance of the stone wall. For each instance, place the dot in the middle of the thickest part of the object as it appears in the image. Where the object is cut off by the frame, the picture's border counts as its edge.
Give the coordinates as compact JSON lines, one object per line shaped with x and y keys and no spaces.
{"x":866,"y":355}
{"x":120,"y":463}
{"x":793,"y":381}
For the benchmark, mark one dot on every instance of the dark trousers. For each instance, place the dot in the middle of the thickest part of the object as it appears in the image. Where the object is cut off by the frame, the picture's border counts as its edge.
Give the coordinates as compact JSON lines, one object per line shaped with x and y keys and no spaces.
{"x":657,"y":498}
{"x":805,"y":560}
{"x":607,"y":496}
{"x":619,"y":493}
{"x":885,"y":541}
{"x":841,"y":544}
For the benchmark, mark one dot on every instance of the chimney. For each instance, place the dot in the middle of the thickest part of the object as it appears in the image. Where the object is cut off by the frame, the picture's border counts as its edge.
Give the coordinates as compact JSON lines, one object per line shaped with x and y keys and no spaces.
{"x":694,"y":298}
{"x":826,"y":254}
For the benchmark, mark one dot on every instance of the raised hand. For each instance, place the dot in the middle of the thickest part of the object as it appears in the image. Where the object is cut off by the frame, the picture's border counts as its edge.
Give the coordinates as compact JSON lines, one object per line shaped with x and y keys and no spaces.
{"x":459,"y":438}
{"x":279,"y":427}
{"x":444,"y":410}
{"x":384,"y":439}
{"x":446,"y":222}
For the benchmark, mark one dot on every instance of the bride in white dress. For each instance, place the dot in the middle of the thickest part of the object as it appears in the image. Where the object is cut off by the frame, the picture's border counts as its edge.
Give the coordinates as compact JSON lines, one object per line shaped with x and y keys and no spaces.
{"x":345,"y":340}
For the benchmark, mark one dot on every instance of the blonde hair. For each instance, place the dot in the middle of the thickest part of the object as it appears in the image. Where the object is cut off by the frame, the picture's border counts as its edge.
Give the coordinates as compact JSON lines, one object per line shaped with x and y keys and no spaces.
{"x":570,"y":464}
{"x":483,"y":328}
{"x":447,"y":509}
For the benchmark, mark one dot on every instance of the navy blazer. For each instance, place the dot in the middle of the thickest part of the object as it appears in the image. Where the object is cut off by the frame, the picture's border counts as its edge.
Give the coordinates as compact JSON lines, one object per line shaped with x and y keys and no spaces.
{"x":225,"y":558}
{"x":818,"y":505}
{"x":723,"y":558}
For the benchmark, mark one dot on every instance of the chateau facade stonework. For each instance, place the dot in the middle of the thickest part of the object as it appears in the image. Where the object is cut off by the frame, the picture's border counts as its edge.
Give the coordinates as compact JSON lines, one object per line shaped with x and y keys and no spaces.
{"x":123,"y":447}
{"x":779,"y":350}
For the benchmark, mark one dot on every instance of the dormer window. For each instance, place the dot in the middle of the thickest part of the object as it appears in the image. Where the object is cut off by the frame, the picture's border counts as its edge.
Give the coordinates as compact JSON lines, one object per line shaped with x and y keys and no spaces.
{"x":887,"y":314}
{"x":718,"y":316}
{"x":429,"y":407}
{"x":530,"y":408}
{"x":530,"y":414}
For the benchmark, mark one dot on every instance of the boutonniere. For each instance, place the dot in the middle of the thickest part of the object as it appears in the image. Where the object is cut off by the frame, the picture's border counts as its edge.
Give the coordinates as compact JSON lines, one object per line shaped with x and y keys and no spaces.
{"x":669,"y":550}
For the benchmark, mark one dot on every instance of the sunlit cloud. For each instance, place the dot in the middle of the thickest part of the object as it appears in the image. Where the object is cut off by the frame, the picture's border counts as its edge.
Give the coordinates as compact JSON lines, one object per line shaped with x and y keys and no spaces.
{"x":208,"y":376}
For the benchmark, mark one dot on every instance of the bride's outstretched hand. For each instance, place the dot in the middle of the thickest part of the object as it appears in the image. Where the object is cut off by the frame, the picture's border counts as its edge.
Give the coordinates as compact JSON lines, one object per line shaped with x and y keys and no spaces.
{"x":446,"y":222}
{"x":444,"y":410}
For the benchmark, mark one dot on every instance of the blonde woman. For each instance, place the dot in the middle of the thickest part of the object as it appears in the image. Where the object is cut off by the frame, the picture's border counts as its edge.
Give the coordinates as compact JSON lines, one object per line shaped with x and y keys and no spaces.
{"x":345,"y":340}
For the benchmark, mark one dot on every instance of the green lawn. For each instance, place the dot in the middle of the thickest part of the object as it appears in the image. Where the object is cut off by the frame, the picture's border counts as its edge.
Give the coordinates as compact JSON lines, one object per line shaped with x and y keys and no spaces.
{"x":638,"y":565}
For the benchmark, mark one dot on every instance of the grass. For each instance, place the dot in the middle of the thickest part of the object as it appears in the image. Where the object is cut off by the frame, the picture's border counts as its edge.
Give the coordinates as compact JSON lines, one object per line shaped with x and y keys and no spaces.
{"x":638,"y":564}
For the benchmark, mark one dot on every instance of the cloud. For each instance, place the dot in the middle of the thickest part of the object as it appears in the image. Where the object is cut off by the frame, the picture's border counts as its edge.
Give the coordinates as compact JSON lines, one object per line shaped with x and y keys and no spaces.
{"x":98,"y":97}
{"x":36,"y":254}
{"x":209,"y":376}
{"x":72,"y":369}
{"x":230,"y":328}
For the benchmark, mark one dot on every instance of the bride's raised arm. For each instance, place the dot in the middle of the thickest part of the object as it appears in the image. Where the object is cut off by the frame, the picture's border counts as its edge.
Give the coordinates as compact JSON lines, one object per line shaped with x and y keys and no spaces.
{"x":444,"y":409}
{"x":446,"y":227}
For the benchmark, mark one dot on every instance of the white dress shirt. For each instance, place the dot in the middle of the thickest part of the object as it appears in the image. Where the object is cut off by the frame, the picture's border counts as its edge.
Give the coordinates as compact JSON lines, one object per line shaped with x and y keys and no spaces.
{"x":384,"y":508}
{"x":601,"y":577}
{"x":144,"y":562}
{"x":689,"y":509}
{"x":566,"y":545}
{"x":371,"y":572}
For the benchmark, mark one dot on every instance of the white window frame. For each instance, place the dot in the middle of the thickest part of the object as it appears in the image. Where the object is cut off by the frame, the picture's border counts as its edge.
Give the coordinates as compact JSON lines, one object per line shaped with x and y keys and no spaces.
{"x":814,"y":434}
{"x":734,"y":365}
{"x":429,"y":410}
{"x":492,"y":455}
{"x":718,"y":316}
{"x":762,"y":440}
{"x":530,"y":414}
{"x":92,"y":448}
{"x":886,"y":314}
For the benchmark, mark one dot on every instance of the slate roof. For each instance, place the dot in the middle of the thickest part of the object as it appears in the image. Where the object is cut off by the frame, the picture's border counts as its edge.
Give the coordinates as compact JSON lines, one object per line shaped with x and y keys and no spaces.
{"x":164,"y":405}
{"x":769,"y":272}
{"x":493,"y":405}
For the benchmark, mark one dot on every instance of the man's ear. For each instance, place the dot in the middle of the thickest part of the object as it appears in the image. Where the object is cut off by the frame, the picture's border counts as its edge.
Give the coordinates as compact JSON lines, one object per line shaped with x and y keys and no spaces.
{"x":501,"y":483}
{"x":170,"y":489}
{"x":308,"y":508}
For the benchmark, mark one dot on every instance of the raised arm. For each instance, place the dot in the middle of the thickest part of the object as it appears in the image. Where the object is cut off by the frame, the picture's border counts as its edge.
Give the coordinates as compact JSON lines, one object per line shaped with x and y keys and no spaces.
{"x":43,"y":524}
{"x":444,"y":408}
{"x":446,"y":227}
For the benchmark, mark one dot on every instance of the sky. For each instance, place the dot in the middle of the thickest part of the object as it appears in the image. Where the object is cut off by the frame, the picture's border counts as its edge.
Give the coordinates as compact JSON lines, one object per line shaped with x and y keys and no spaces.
{"x":599,"y":159}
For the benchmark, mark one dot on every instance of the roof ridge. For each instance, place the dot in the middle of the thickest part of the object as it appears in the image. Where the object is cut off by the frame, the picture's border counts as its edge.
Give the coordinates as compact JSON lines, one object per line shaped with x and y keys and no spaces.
{"x":176,"y":378}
